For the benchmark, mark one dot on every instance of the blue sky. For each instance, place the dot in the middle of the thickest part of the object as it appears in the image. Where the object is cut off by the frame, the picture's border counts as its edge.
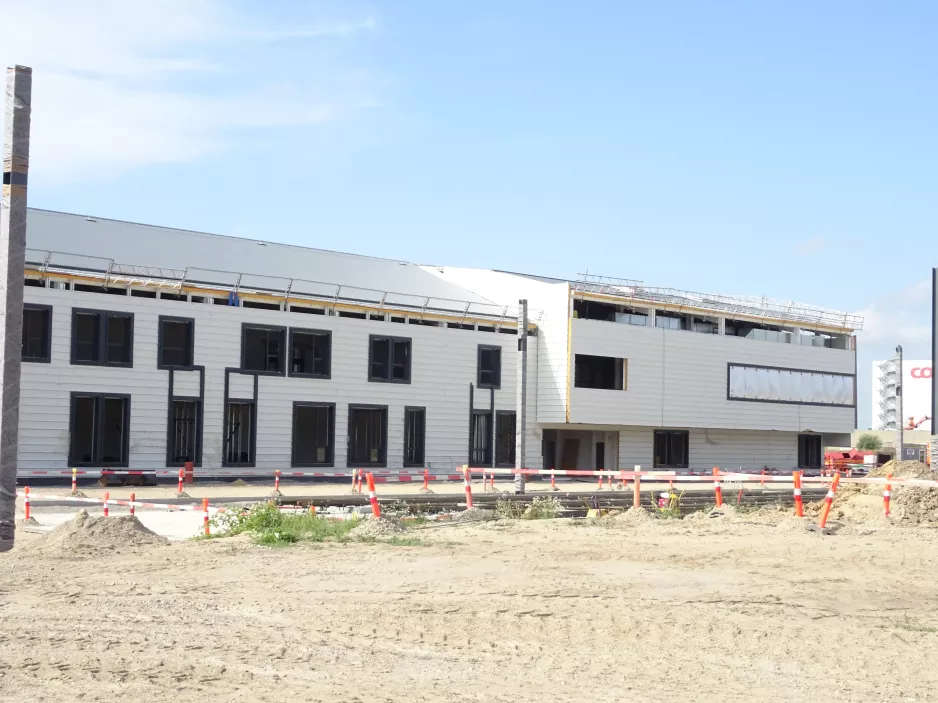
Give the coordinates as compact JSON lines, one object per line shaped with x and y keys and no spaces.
{"x":785,"y":149}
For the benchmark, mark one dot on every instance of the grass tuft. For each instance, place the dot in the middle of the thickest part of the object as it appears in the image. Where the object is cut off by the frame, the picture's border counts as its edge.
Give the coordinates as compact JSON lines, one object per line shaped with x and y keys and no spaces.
{"x":269,"y":526}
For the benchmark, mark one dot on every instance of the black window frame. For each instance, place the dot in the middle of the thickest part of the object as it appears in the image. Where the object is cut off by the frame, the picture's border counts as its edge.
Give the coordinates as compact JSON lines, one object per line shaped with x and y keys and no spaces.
{"x":252,"y":437}
{"x":510,"y":460}
{"x":803,"y":461}
{"x":245,"y":326}
{"x":498,"y":366}
{"x":46,"y":343}
{"x":300,"y":374}
{"x":487,"y":450}
{"x":330,"y":455}
{"x":413,"y":462}
{"x":102,"y":338}
{"x":383,"y":450}
{"x":190,"y":321}
{"x":97,"y":449}
{"x":390,"y":363}
{"x":580,"y":372}
{"x":171,"y":461}
{"x":671,"y":465}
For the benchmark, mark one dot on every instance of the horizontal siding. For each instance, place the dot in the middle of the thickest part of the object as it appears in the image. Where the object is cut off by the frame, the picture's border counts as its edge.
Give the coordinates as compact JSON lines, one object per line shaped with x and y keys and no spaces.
{"x":443,"y":367}
{"x":678,"y":378}
{"x":186,"y":383}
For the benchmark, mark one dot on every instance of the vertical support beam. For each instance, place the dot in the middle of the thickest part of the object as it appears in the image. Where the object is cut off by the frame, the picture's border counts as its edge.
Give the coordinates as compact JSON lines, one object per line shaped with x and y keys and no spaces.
{"x":521,"y":424}
{"x":900,"y":421}
{"x":12,"y":263}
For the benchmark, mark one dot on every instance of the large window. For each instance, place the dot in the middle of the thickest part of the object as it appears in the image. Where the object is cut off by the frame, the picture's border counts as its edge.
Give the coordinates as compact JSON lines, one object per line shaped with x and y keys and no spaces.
{"x":310,"y":352}
{"x":671,"y":449}
{"x":505,"y":438}
{"x":480,"y":438}
{"x":313,"y":434}
{"x":490,"y":367}
{"x":176,"y":342}
{"x":603,"y":372}
{"x":37,"y":332}
{"x":389,"y":359}
{"x":794,"y":386}
{"x":367,"y":435}
{"x":809,"y":451}
{"x":262,"y":349}
{"x":102,"y":338}
{"x":184,"y":436}
{"x":240,"y":430}
{"x":415,"y":427}
{"x":99,"y":430}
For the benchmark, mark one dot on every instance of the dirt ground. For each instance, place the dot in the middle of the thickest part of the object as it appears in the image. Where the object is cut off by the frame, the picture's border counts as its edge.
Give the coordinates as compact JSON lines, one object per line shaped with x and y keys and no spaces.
{"x":742,"y":609}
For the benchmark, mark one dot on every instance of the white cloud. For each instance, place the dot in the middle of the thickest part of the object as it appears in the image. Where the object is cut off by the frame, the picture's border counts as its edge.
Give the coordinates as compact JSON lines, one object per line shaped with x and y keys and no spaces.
{"x":809,"y":246}
{"x":901,"y":317}
{"x":118,"y":85}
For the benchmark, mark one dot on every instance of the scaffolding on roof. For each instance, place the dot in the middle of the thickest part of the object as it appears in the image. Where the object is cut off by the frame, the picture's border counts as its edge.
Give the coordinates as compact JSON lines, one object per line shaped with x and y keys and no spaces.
{"x":636,"y":292}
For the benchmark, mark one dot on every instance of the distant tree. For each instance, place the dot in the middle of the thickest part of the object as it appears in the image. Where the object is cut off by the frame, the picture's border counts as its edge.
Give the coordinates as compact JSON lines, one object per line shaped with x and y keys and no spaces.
{"x":869,"y":443}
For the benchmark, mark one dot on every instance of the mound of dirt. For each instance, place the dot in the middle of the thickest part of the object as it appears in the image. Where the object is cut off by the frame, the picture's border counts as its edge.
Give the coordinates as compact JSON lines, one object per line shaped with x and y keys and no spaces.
{"x":377,"y":527}
{"x":238,"y":483}
{"x":470,"y":515}
{"x":633,"y":516}
{"x":915,"y":503}
{"x":84,"y":535}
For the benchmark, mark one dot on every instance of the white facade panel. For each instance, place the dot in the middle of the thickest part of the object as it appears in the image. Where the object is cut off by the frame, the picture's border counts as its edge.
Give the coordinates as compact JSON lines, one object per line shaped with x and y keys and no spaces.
{"x":678,"y":378}
{"x":444,"y":364}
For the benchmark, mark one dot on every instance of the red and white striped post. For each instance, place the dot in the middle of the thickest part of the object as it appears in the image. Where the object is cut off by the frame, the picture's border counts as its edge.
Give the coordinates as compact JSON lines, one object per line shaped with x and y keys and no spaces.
{"x":717,"y":489}
{"x":426,"y":479}
{"x":107,"y":497}
{"x":373,"y":496}
{"x":277,"y":481}
{"x":492,"y":481}
{"x":599,"y":484}
{"x":829,"y":500}
{"x":799,"y":504}
{"x":637,"y":492}
{"x":609,"y":482}
{"x":181,"y":477}
{"x":26,"y":501}
{"x":133,"y":498}
{"x":205,"y":516}
{"x":465,"y":473}
{"x":887,"y":495}
{"x":74,"y":481}
{"x":360,"y":478}
{"x":553,"y":480}
{"x":353,"y":480}
{"x":762,"y":480}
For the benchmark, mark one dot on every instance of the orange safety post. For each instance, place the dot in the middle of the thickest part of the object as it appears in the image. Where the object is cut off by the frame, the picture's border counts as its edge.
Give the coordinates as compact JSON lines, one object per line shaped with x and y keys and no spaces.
{"x":717,"y":489}
{"x":599,"y":484}
{"x":887,"y":494}
{"x":353,"y":480}
{"x":426,"y":479}
{"x":277,"y":481}
{"x":609,"y":482}
{"x":829,"y":500}
{"x":624,"y":482}
{"x":26,"y":501}
{"x":762,"y":480}
{"x":637,"y":492}
{"x":553,"y":481}
{"x":465,"y":473}
{"x":205,"y":516}
{"x":133,"y":499}
{"x":492,"y":481}
{"x":107,"y":497}
{"x":799,"y":505}
{"x":361,"y":478}
{"x":74,"y":480}
{"x":181,"y":476}
{"x":373,"y":496}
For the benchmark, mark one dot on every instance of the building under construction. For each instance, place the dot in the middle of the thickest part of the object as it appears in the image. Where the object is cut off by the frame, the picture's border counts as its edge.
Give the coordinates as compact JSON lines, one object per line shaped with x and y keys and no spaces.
{"x":146,"y":347}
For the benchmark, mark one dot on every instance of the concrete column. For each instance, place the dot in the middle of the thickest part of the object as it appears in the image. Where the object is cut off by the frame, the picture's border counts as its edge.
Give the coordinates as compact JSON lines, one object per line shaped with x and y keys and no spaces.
{"x":796,"y":335}
{"x":651,"y":317}
{"x":12,"y":265}
{"x":521,"y":414}
{"x":721,"y":326}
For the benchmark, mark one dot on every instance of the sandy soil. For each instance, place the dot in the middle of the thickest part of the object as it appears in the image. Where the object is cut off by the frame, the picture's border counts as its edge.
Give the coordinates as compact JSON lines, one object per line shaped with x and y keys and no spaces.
{"x":730,"y":609}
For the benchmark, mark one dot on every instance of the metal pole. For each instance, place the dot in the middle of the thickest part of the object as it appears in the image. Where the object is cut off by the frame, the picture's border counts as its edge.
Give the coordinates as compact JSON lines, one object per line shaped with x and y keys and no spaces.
{"x":899,"y":425}
{"x":521,"y":425}
{"x":12,"y":264}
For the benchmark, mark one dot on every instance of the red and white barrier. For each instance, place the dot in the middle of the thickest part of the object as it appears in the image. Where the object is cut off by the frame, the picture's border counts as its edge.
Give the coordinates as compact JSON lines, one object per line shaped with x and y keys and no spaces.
{"x":107,"y":497}
{"x":717,"y":489}
{"x":829,"y":501}
{"x":179,"y":486}
{"x":796,"y":483}
{"x":107,"y":501}
{"x":468,"y":487}
{"x":26,"y":501}
{"x":373,"y":496}
{"x":887,"y":495}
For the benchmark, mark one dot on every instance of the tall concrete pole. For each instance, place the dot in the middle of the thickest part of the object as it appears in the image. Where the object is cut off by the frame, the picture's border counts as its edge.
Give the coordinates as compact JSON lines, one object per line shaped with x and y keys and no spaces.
{"x":521,"y":415}
{"x":900,"y":440}
{"x":12,"y":264}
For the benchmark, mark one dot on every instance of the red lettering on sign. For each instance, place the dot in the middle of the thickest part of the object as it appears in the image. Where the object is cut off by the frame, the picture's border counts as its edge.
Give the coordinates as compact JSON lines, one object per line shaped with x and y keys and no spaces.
{"x":921,"y":372}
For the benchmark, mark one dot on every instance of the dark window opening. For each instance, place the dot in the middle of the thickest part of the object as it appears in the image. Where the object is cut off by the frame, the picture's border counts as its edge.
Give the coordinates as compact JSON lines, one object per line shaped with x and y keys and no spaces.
{"x":310,"y":352}
{"x":459,"y":326}
{"x":367,"y":436}
{"x":415,"y":428}
{"x":82,"y":287}
{"x":198,"y":299}
{"x":262,"y":349}
{"x":37,"y":337}
{"x":671,"y":449}
{"x":389,"y":359}
{"x":100,"y":427}
{"x":399,"y":320}
{"x":593,"y":310}
{"x":102,"y":338}
{"x":482,"y":328}
{"x":603,"y":372}
{"x":505,"y":438}
{"x":480,"y":438}
{"x":178,"y":297}
{"x":136,"y":293}
{"x":307,"y":310}
{"x":176,"y":342}
{"x":313,"y":434}
{"x":809,"y":451}
{"x":219,"y":301}
{"x":259,"y":306}
{"x":489,"y":367}
{"x":353,"y":315}
{"x":240,"y":431}
{"x":600,"y":456}
{"x":376,"y":318}
{"x":426,"y":323}
{"x":34,"y":283}
{"x":507,"y":330}
{"x":184,"y":433}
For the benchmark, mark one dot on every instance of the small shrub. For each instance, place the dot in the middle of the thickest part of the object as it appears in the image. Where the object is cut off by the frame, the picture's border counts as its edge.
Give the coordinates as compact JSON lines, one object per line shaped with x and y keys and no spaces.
{"x":542,"y":508}
{"x":509,"y":509}
{"x":869,"y":443}
{"x":270,"y":526}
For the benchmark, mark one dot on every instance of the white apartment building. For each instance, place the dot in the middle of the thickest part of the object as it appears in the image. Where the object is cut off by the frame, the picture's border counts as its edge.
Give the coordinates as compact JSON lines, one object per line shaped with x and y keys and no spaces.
{"x":146,"y":347}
